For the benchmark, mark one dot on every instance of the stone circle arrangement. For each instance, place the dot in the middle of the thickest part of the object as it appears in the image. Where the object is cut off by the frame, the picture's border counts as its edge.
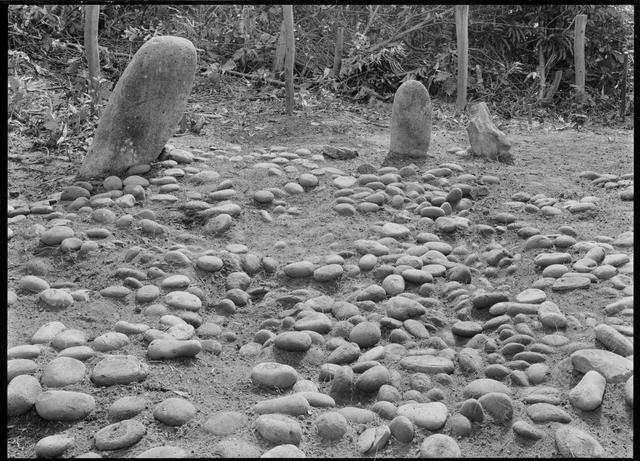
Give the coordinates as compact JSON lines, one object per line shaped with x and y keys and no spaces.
{"x":400,"y":341}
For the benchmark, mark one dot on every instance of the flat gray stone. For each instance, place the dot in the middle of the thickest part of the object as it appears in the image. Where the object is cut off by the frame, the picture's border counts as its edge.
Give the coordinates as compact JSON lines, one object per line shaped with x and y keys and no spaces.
{"x":546,"y":412}
{"x":63,"y":371}
{"x":174,"y":411}
{"x":440,"y":446}
{"x":126,"y":408}
{"x":566,"y":283}
{"x":22,"y":393}
{"x":53,"y":445}
{"x":64,"y":405}
{"x":431,"y":416}
{"x":613,"y":367}
{"x":119,"y":369}
{"x":576,"y":443}
{"x":427,"y":364}
{"x":279,"y":429}
{"x":587,"y":395}
{"x":122,"y":434}
{"x":274,"y":375}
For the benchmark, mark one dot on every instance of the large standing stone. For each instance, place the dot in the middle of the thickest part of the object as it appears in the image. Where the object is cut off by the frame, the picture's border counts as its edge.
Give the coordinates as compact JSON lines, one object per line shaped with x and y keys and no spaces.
{"x":410,"y":121}
{"x":486,"y":140}
{"x":144,"y":108}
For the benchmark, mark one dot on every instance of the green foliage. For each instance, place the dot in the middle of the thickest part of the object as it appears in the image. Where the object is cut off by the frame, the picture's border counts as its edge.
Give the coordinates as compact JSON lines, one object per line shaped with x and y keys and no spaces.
{"x":504,"y":41}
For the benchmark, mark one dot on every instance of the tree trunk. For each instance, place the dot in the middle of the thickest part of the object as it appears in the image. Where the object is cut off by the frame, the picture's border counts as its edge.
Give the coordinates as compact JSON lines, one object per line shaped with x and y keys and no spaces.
{"x":92,"y":13}
{"x":578,"y":53}
{"x":462,"y":22}
{"x":337,"y":52}
{"x":290,"y":56}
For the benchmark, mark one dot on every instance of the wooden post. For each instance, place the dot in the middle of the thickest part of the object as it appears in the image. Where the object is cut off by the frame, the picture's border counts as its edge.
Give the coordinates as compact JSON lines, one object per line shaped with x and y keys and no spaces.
{"x":92,"y":13}
{"x":290,"y":56}
{"x":578,"y":53}
{"x":462,"y":22}
{"x":337,"y":53}
{"x":278,"y":60}
{"x":623,"y":87}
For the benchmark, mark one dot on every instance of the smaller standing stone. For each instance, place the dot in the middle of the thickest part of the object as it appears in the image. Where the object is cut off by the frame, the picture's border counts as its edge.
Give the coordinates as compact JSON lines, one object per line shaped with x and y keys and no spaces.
{"x":410,"y":121}
{"x":486,"y":140}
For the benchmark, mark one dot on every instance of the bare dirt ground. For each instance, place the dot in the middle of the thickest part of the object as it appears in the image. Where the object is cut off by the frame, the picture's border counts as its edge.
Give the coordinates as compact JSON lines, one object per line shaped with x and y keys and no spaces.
{"x":546,"y":161}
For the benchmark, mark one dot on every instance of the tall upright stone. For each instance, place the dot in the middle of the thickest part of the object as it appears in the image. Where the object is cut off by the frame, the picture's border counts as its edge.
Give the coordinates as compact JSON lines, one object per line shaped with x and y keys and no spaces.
{"x":144,"y":108}
{"x":410,"y":121}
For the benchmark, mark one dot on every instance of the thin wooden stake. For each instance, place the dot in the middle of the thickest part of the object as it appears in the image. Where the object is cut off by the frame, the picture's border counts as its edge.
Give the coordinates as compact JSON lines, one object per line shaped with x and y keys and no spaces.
{"x":578,"y":53}
{"x":554,"y":86}
{"x":290,"y":56}
{"x":462,"y":23}
{"x":92,"y":14}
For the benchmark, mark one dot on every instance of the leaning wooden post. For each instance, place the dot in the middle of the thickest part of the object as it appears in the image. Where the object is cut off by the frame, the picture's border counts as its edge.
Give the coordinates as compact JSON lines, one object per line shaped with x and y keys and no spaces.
{"x":92,"y":13}
{"x":578,"y":53}
{"x":554,"y":86}
{"x":623,"y":86}
{"x":541,"y":73}
{"x":337,"y":52}
{"x":462,"y":22}
{"x":290,"y":55}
